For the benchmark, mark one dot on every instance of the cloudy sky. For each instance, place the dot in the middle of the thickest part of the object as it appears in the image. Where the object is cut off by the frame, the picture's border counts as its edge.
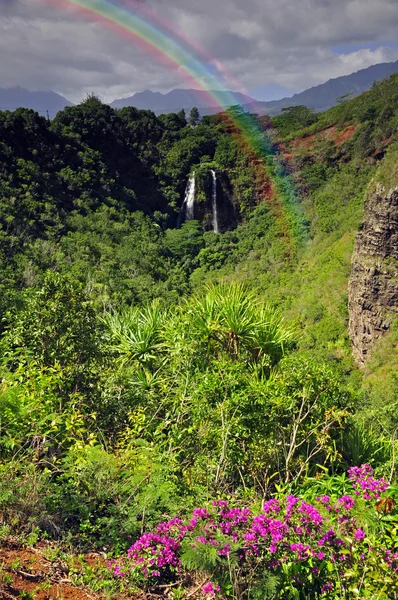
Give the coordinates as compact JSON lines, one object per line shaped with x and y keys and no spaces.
{"x":271,"y":48}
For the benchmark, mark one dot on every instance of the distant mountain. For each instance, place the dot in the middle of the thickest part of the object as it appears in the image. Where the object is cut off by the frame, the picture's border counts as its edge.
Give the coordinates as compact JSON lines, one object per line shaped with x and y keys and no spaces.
{"x":12,"y":98}
{"x":177,"y":99}
{"x":319,"y":98}
{"x":326,"y":95}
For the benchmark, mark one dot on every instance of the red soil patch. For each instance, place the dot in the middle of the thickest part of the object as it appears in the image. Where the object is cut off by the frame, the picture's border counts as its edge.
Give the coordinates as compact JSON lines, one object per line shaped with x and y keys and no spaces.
{"x":379,"y":153}
{"x":345,"y":135}
{"x":39,"y":573}
{"x":332,"y":134}
{"x":386,"y":141}
{"x":28,"y":571}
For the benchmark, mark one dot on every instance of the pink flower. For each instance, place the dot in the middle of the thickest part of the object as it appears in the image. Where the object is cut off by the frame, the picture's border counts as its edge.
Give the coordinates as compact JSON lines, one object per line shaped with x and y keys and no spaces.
{"x":222,"y":503}
{"x":365,"y":484}
{"x":324,"y":499}
{"x":209,"y":589}
{"x":201,"y":513}
{"x":359,"y":535}
{"x":201,"y":539}
{"x":284,"y":530}
{"x":346,"y":502}
{"x":271,"y":506}
{"x":327,"y":588}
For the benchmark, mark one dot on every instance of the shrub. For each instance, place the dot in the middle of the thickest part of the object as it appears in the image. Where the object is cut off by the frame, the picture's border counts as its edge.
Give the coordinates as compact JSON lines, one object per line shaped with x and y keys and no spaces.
{"x":291,"y":548}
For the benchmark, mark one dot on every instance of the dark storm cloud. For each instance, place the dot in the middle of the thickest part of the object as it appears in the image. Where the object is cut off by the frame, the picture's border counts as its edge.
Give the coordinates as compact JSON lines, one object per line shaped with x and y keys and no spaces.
{"x":286,"y":43}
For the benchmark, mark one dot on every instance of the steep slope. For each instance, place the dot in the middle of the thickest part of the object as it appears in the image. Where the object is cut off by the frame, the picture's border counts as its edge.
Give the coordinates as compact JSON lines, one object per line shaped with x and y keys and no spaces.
{"x":373,"y":289}
{"x":326,"y":95}
{"x":93,"y":166}
{"x":88,"y":177}
{"x":42,"y":102}
{"x":330,"y":163}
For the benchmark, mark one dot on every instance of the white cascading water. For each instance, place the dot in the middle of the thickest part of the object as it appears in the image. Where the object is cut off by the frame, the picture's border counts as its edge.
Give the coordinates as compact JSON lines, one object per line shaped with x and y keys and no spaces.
{"x":189,"y":199}
{"x":214,"y":202}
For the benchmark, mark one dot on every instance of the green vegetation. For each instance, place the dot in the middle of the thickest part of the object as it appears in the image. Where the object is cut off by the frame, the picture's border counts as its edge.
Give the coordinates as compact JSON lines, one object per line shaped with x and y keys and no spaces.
{"x":194,"y":116}
{"x":147,"y":368}
{"x":293,"y":118}
{"x":96,"y":193}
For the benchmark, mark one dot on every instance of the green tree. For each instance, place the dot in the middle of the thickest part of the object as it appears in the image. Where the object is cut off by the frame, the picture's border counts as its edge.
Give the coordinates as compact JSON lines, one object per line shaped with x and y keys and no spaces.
{"x":194,"y":116}
{"x":294,"y":118}
{"x":182,"y":116}
{"x":57,"y":327}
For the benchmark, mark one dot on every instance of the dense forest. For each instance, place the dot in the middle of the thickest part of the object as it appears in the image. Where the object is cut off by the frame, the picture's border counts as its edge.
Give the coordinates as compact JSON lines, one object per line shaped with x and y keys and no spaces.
{"x":186,"y":395}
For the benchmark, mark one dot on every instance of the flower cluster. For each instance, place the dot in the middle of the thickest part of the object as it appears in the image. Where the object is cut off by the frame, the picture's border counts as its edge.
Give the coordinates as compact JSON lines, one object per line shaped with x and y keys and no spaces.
{"x":154,"y":552}
{"x":365,"y":484}
{"x":319,"y":538}
{"x":391,"y":559}
{"x":209,"y":589}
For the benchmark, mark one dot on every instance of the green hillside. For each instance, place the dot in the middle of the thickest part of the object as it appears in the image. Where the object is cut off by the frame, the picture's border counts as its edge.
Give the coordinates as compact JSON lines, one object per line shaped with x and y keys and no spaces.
{"x":149,"y":368}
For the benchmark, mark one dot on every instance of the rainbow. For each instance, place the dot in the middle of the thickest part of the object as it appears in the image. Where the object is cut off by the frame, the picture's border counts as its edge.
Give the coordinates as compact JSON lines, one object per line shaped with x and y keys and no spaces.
{"x":169,"y":51}
{"x":194,"y":45}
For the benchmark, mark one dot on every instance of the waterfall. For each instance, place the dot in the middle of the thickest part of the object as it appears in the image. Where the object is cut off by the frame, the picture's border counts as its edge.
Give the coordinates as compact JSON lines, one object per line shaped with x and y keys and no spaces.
{"x":189,"y":199}
{"x":214,"y":202}
{"x":188,"y":207}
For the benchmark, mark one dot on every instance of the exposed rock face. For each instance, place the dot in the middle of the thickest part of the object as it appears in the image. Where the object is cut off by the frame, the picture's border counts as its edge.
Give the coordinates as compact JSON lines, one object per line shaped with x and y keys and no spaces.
{"x":373,"y":288}
{"x":228,"y":210}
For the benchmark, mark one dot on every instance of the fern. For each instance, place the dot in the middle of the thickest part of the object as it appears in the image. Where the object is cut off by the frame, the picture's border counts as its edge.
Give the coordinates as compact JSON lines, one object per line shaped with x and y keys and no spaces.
{"x":268,"y":587}
{"x":202,"y":558}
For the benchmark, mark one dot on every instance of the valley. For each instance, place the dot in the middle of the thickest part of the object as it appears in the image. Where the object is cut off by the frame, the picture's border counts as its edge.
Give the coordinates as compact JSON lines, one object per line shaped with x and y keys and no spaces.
{"x":198,"y":389}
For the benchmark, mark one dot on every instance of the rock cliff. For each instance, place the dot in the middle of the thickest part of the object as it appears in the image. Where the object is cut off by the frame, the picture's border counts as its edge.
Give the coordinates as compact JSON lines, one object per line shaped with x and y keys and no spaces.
{"x":227,"y":209}
{"x":373,"y":287}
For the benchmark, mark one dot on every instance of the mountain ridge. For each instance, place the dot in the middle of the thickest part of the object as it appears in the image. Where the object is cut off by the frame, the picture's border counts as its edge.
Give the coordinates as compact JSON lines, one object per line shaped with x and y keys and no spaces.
{"x":41,"y":101}
{"x":319,"y":98}
{"x":179,"y":99}
{"x":326,"y":95}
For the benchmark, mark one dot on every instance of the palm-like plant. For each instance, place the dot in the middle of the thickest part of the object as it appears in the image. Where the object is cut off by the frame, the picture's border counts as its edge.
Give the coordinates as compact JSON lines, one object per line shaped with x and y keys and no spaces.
{"x":228,"y":318}
{"x":225,"y":319}
{"x":136,"y":334}
{"x":273,"y":337}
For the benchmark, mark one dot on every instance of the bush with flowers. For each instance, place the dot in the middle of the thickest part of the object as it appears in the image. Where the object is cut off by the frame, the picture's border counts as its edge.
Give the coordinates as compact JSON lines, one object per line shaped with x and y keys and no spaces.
{"x":333,"y":548}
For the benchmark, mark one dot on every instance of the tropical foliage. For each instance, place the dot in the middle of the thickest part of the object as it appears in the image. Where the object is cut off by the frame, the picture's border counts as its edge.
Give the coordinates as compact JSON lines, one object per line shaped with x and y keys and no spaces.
{"x":149,"y":366}
{"x":339,"y":548}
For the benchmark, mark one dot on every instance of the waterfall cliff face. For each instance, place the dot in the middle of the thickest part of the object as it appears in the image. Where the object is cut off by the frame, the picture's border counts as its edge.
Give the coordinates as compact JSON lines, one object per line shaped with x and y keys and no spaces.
{"x":189,"y":200}
{"x":373,"y":288}
{"x":209,"y":199}
{"x":214,"y":202}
